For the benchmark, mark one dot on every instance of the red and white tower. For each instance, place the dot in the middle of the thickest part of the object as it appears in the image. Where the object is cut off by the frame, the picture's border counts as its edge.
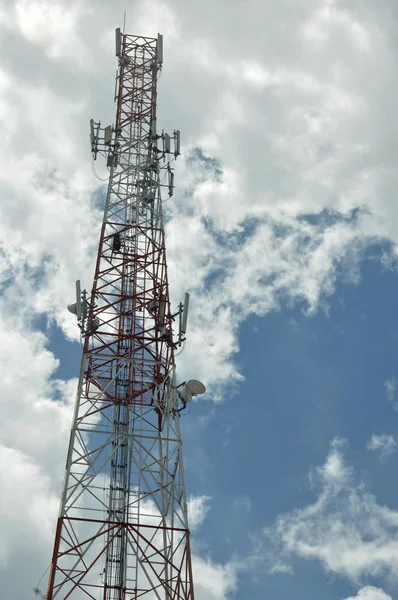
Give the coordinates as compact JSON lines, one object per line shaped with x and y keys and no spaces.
{"x":122,"y":531}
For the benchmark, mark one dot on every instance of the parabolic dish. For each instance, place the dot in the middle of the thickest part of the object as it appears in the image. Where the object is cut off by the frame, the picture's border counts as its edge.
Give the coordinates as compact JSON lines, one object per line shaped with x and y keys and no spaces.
{"x":72,"y":308}
{"x":195,"y":387}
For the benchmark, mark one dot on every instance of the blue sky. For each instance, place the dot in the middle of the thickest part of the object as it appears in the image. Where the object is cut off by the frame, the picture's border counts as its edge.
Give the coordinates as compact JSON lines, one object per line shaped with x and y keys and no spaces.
{"x":284,"y":229}
{"x":308,"y":380}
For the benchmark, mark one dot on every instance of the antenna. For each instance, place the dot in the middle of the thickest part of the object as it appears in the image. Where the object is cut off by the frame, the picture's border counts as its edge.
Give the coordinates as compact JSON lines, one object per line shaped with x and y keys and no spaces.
{"x":160,"y":49}
{"x":177,"y":143}
{"x":167,"y":142}
{"x":108,"y":135}
{"x":78,"y":300}
{"x":185,"y":314}
{"x":171,"y":182}
{"x":118,"y":42}
{"x":72,"y":308}
{"x":92,"y":135}
{"x":153,"y":129}
{"x":193,"y":387}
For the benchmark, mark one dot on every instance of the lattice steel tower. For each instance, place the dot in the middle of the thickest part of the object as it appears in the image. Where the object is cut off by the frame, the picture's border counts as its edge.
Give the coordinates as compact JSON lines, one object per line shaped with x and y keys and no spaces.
{"x":122,"y":531}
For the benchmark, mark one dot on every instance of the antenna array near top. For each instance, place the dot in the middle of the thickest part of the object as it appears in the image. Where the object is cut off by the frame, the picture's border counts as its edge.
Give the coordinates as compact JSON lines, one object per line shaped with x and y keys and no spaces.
{"x":126,"y":60}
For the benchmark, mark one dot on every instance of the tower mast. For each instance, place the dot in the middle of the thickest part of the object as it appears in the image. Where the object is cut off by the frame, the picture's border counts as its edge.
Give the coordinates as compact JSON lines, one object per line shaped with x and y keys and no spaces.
{"x":122,"y":531}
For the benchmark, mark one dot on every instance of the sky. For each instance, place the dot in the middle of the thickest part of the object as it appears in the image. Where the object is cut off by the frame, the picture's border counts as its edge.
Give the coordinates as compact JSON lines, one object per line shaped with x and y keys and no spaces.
{"x":283,"y":228}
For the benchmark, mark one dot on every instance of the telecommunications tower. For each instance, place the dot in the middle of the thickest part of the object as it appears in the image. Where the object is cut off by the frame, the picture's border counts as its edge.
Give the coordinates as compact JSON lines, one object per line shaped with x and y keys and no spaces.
{"x":122,"y":531}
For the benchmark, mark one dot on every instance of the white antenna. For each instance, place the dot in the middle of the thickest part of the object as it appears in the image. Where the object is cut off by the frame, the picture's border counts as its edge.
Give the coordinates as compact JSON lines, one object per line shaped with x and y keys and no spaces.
{"x":185,"y":314}
{"x":193,"y":387}
{"x":108,"y":135}
{"x":118,"y":42}
{"x":171,"y":182}
{"x":78,"y":300}
{"x":92,"y":135}
{"x":153,"y":128}
{"x":177,"y":142}
{"x":167,"y":142}
{"x":160,"y":49}
{"x":72,"y":308}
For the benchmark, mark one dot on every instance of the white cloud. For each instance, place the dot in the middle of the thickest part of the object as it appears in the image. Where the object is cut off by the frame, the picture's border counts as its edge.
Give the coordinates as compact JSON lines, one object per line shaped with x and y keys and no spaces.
{"x":370,"y":593}
{"x":345,"y":529}
{"x":28,"y":511}
{"x":212,"y":581}
{"x":383,"y":443}
{"x":391,"y":386}
{"x":53,"y":27}
{"x":329,"y":20}
{"x":35,"y":408}
{"x":198,"y":507}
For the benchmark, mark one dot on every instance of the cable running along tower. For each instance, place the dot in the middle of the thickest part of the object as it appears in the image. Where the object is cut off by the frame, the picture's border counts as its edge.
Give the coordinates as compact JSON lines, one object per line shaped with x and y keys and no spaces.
{"x":122,"y":531}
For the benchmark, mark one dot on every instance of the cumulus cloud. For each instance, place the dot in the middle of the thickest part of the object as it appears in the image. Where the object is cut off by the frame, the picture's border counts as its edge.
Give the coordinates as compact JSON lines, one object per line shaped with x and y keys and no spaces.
{"x":391,"y":386}
{"x":370,"y":593}
{"x":198,"y":507}
{"x":24,"y":524}
{"x":344,"y":529}
{"x":35,"y":417}
{"x":213,"y":581}
{"x":385,"y":444}
{"x":35,"y":411}
{"x":28,"y":511}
